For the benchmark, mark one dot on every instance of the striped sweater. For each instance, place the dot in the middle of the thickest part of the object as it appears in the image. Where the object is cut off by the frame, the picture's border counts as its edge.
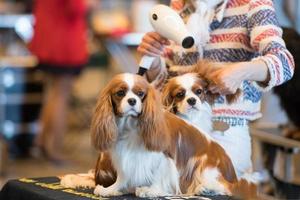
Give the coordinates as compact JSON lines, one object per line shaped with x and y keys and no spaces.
{"x":248,"y":30}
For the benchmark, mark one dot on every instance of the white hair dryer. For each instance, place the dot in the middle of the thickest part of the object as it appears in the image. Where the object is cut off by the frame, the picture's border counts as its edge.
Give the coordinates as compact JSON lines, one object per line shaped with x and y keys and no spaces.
{"x":170,"y":25}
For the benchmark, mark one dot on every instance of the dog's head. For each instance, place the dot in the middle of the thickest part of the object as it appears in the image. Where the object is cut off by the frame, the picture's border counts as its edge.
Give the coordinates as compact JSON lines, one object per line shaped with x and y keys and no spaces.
{"x":186,"y":94}
{"x":128,"y":95}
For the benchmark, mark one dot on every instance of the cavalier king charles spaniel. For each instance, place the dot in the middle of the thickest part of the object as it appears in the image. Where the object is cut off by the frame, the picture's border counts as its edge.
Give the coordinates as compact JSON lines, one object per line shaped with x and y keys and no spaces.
{"x":149,"y":151}
{"x":187,"y":97}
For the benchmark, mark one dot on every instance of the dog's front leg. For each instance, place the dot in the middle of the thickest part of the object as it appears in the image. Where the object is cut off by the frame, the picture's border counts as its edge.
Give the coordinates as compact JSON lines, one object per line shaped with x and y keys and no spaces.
{"x":166,"y":181}
{"x":115,"y":189}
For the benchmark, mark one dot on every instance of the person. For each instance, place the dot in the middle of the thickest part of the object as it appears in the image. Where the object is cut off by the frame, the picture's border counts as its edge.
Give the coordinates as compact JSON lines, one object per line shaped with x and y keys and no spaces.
{"x":60,"y":45}
{"x":246,"y":38}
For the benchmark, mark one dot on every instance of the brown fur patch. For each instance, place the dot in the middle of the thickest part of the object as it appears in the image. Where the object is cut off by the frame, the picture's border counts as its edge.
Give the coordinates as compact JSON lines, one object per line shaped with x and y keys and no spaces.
{"x":105,"y":174}
{"x":152,"y":122}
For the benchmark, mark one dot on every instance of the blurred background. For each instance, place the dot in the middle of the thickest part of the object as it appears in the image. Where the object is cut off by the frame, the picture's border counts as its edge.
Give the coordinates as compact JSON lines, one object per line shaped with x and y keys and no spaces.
{"x":114,"y":29}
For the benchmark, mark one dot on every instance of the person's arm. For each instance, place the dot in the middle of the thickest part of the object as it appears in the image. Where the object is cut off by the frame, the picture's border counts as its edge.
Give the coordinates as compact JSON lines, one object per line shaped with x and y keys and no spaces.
{"x":274,"y":66}
{"x":227,"y":78}
{"x":266,"y":39}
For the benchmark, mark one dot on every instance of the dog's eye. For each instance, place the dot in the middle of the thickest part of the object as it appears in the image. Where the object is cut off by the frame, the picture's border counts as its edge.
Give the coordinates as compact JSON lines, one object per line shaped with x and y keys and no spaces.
{"x":140,"y":93}
{"x":180,"y":94}
{"x":120,"y":93}
{"x":199,"y":91}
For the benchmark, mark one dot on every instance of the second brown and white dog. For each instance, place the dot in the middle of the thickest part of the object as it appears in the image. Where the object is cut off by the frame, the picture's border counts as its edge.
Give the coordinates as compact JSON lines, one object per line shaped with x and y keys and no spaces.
{"x":187,"y":96}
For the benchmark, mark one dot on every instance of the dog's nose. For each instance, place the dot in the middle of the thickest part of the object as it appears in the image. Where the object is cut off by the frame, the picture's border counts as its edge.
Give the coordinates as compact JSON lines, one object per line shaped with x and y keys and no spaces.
{"x":191,"y":101}
{"x":132,"y":101}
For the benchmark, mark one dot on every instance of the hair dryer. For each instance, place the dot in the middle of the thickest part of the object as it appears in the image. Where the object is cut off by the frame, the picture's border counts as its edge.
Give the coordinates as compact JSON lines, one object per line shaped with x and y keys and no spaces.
{"x":170,"y":25}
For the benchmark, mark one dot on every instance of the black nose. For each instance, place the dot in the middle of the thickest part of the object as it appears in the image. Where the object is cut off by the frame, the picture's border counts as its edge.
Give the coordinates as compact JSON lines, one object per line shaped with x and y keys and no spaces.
{"x":191,"y":101}
{"x":132,"y":101}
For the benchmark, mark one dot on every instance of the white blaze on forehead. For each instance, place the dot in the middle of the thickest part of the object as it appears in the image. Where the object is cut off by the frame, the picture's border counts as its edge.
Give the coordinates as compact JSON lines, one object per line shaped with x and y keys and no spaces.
{"x":129,"y":79}
{"x":126,"y":108}
{"x":186,"y":81}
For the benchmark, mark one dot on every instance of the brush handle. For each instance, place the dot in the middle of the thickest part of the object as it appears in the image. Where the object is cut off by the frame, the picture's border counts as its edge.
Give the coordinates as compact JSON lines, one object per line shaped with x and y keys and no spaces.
{"x":145,"y":64}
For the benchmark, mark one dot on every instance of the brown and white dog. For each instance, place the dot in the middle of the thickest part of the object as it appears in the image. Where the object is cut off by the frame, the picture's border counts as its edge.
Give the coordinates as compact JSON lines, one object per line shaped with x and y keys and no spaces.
{"x":151,"y":151}
{"x":188,"y":97}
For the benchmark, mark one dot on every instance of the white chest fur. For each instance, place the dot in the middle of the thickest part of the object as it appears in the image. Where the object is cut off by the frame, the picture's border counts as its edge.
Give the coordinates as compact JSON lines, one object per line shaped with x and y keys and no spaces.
{"x":201,"y":119}
{"x":134,"y":163}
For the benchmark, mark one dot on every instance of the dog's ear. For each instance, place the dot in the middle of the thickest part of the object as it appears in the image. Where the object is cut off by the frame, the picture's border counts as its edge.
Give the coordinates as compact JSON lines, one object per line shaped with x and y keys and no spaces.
{"x":152,"y":122}
{"x":231,"y":98}
{"x":104,"y":127}
{"x":210,"y":97}
{"x":166,"y":97}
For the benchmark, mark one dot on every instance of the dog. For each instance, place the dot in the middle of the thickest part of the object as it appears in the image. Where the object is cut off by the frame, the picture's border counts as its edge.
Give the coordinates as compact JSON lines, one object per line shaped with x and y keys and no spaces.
{"x":188,"y":97}
{"x":153,"y":152}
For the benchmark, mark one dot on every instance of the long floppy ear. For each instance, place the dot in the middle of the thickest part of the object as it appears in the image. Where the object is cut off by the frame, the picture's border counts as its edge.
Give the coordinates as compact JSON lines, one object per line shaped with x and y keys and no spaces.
{"x":231,"y":98}
{"x":152,"y":123}
{"x":166,"y":97}
{"x":104,"y":127}
{"x":211,"y":97}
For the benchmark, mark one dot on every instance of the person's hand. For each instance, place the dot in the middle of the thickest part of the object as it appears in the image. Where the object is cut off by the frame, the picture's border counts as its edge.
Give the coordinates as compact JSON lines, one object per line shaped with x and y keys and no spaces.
{"x":177,"y":4}
{"x":227,"y":79}
{"x":153,"y":44}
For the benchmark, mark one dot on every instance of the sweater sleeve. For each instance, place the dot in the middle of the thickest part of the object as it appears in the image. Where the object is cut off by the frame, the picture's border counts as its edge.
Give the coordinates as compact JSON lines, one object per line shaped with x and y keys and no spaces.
{"x":266,"y":39}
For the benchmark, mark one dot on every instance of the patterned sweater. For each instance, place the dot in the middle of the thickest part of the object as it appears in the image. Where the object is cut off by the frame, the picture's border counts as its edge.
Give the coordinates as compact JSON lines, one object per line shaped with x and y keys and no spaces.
{"x":241,"y":30}
{"x":248,"y":30}
{"x":244,"y":30}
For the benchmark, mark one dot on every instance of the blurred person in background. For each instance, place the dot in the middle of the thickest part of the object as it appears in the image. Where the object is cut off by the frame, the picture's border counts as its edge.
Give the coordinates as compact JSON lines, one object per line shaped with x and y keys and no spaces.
{"x":60,"y":44}
{"x":246,"y":37}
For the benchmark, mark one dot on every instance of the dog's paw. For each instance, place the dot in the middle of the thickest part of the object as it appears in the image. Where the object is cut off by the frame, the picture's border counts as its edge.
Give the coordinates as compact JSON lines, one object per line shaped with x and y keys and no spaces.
{"x":106,"y":192}
{"x":208,"y":192}
{"x":148,"y":192}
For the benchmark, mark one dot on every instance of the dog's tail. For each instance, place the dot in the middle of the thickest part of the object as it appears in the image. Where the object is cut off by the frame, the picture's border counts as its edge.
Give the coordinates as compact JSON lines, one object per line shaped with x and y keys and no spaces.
{"x":78,"y":180}
{"x":104,"y":174}
{"x":245,"y":187}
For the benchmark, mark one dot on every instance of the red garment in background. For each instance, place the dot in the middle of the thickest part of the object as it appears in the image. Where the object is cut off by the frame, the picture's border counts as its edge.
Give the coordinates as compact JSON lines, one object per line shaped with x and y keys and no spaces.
{"x":60,"y":32}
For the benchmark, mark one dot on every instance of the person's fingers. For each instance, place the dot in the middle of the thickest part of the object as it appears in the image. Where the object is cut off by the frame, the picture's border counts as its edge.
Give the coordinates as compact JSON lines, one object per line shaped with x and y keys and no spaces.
{"x":151,"y":49}
{"x":177,"y":4}
{"x":144,"y":51}
{"x":167,"y":53}
{"x":152,"y":42}
{"x":158,"y":38}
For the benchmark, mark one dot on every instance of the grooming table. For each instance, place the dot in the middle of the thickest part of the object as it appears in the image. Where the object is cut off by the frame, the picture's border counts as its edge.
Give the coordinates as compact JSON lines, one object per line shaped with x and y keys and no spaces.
{"x":48,"y":188}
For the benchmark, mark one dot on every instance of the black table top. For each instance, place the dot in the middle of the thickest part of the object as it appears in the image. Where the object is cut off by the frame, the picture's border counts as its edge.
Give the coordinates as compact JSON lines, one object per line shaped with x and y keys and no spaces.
{"x":48,"y":188}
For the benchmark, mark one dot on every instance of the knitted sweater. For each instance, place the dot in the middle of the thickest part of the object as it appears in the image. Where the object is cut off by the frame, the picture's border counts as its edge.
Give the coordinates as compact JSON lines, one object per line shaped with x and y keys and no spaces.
{"x":244,"y":30}
{"x":241,"y":30}
{"x":249,"y":30}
